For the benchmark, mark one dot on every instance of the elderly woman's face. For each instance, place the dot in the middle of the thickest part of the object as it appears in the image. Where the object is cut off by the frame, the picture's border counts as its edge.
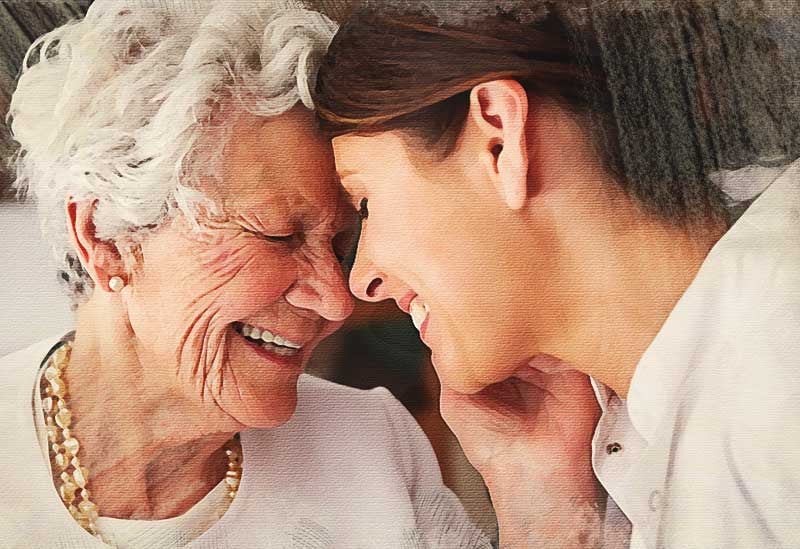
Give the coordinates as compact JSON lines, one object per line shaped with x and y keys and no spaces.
{"x":241,"y":304}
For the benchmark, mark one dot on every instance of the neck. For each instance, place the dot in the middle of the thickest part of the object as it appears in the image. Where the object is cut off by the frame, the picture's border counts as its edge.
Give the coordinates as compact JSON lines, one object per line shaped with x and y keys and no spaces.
{"x":638,"y":278}
{"x":152,"y":452}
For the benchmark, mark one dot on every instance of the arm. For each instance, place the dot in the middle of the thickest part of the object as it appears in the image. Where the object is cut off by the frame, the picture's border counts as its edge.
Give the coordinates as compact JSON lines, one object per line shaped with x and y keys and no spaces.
{"x":530,"y":438}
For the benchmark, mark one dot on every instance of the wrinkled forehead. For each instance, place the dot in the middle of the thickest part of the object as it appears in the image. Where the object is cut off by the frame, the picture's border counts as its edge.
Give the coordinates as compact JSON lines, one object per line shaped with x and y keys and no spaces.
{"x":281,"y":169}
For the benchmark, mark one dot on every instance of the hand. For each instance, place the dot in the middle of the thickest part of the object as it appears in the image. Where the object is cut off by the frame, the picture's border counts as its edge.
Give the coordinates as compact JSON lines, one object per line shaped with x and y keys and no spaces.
{"x":530,"y":438}
{"x":544,"y":415}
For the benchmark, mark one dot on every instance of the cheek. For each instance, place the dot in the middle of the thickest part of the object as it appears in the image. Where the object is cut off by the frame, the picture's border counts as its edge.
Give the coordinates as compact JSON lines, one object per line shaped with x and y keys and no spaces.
{"x":245,"y":279}
{"x":472,"y":355}
{"x":188,"y":291}
{"x":481,"y":318}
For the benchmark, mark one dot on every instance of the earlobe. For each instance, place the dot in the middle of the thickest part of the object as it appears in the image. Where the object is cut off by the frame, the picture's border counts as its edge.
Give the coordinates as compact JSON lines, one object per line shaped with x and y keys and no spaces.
{"x":513,"y":172}
{"x":500,"y":110}
{"x":116,"y":284}
{"x":100,"y":259}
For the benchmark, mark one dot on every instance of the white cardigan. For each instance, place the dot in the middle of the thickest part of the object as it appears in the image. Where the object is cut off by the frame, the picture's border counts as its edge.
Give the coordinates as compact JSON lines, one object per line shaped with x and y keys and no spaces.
{"x":350,"y":470}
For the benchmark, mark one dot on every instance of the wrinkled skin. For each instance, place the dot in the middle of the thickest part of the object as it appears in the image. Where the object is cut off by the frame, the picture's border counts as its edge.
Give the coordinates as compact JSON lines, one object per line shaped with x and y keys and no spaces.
{"x":159,"y":377}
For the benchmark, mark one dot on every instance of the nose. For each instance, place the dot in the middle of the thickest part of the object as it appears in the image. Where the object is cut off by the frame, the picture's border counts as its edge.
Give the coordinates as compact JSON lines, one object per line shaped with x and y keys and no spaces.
{"x":366,"y":281}
{"x":321,"y":287}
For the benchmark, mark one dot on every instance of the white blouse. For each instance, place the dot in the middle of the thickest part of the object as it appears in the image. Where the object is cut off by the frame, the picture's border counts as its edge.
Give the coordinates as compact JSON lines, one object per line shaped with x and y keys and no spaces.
{"x":350,"y":470}
{"x":705,"y":452}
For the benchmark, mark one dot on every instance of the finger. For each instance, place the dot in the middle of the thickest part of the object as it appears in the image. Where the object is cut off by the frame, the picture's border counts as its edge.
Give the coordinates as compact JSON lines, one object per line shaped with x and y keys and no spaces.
{"x":530,"y":375}
{"x":549,"y":364}
{"x":490,"y":408}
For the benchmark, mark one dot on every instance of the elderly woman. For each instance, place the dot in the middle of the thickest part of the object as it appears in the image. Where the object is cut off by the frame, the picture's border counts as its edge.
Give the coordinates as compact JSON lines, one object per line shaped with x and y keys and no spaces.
{"x":577,"y":174}
{"x":182,"y":183}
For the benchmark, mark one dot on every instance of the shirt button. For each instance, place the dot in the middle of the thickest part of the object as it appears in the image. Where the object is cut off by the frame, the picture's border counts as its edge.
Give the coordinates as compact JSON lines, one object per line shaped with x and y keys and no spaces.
{"x":655,"y":500}
{"x":613,"y":448}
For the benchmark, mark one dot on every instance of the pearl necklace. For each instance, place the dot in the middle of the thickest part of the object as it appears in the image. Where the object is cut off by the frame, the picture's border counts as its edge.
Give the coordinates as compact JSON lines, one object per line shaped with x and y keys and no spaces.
{"x":69,"y":476}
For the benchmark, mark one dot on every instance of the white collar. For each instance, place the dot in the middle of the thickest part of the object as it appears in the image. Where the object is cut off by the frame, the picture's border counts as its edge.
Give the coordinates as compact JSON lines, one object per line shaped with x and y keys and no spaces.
{"x":602,"y":394}
{"x":657,"y":380}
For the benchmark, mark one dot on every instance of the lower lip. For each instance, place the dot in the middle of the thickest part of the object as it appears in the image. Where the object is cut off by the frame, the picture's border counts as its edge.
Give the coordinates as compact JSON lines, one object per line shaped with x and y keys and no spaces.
{"x":292,"y":363}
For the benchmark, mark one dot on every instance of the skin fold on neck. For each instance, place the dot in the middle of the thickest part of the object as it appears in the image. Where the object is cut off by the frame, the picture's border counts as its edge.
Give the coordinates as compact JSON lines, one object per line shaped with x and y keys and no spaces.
{"x":151,"y":452}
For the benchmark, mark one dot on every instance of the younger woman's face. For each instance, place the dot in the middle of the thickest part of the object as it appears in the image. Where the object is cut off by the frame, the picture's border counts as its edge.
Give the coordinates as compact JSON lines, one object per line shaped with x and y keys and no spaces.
{"x":438,"y":240}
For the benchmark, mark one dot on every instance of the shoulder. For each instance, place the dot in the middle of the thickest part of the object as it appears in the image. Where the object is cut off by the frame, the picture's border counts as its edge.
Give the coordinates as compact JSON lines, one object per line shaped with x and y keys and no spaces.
{"x":356,"y":425}
{"x":19,"y":369}
{"x":755,"y":273}
{"x":322,"y":401}
{"x":334,"y":408}
{"x":760,"y":252}
{"x":19,"y":373}
{"x":748,"y":388}
{"x":22,"y":458}
{"x":364,"y":449}
{"x":749,"y":306}
{"x":35,"y":352}
{"x":746,"y":354}
{"x":373,"y":411}
{"x":366,"y":436}
{"x":747,"y":377}
{"x":316,"y":395}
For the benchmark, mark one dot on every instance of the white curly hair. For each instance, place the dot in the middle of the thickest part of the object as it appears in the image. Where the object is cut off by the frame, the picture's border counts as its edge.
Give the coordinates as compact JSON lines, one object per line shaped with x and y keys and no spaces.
{"x":114,"y":107}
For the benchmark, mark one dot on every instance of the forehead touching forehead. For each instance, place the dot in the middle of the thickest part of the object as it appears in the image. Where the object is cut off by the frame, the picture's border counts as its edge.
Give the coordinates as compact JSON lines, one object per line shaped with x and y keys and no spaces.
{"x":281,"y":170}
{"x":361,"y":152}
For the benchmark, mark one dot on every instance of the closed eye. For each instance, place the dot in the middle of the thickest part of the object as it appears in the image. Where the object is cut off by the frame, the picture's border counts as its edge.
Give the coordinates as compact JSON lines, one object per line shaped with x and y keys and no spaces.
{"x":279,"y":238}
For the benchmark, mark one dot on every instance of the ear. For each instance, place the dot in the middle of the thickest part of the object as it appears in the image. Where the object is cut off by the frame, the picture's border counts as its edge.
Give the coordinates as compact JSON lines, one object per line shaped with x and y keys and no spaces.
{"x":500,"y":111}
{"x":100,"y":258}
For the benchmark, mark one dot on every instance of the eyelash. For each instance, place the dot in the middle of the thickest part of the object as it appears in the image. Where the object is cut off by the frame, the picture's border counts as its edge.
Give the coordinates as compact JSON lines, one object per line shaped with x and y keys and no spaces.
{"x":282,"y":239}
{"x":363,"y":212}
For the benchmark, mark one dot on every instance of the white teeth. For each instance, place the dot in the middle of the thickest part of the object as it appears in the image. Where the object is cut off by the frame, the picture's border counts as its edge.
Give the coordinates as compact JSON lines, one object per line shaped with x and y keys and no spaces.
{"x":286,"y":343}
{"x":418,"y":311}
{"x":268,"y":338}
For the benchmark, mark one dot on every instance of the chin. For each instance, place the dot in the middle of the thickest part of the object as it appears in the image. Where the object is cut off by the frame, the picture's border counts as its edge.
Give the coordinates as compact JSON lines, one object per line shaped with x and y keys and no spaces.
{"x":268,"y":410}
{"x":454,"y":371}
{"x":260,"y":399}
{"x":455,"y":376}
{"x":260,"y":389}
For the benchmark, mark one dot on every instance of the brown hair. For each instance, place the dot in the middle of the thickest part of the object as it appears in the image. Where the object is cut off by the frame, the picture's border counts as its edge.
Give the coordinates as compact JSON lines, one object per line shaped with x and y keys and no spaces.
{"x":411,"y":73}
{"x":670,"y":94}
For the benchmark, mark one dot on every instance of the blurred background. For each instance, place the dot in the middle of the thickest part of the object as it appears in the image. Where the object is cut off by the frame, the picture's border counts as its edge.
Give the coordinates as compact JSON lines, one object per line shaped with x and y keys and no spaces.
{"x":377,"y":347}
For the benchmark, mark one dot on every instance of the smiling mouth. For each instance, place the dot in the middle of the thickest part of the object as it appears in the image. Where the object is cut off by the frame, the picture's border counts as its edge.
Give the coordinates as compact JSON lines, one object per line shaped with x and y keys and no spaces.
{"x":267,"y":340}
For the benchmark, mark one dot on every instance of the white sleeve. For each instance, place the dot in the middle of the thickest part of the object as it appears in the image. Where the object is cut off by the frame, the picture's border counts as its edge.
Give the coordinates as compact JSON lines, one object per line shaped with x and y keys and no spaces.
{"x":442,"y":522}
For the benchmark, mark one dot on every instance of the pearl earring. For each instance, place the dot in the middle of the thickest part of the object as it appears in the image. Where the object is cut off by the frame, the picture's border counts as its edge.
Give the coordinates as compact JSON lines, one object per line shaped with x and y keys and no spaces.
{"x":116,"y":284}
